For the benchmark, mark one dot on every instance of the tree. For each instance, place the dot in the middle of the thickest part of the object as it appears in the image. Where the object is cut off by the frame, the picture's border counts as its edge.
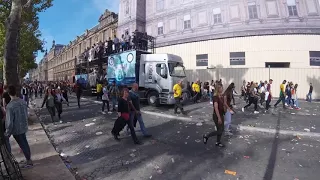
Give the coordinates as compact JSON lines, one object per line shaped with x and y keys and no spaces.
{"x":20,"y":36}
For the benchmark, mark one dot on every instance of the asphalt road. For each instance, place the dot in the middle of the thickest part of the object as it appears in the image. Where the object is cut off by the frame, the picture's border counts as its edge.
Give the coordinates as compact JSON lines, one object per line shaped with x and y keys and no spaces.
{"x":176,"y":150}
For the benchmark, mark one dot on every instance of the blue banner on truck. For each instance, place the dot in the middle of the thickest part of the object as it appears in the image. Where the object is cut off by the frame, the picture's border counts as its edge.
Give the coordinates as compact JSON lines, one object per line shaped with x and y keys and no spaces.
{"x":121,"y":68}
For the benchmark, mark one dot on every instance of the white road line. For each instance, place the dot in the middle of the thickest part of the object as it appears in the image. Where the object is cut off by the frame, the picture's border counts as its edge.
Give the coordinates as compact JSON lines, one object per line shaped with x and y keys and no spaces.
{"x":274,"y":131}
{"x":168,"y":116}
{"x":239,"y":127}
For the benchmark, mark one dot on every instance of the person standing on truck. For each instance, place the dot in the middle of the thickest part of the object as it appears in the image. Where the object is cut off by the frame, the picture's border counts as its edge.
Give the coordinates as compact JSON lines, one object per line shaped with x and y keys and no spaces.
{"x":177,"y":92}
{"x":114,"y":93}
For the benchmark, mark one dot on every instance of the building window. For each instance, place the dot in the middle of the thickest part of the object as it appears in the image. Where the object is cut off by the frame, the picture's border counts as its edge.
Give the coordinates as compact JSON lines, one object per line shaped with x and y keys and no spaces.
{"x":277,"y":64}
{"x":314,"y":58}
{"x":160,"y":5}
{"x":253,"y":12}
{"x":160,"y":28}
{"x":186,"y":22}
{"x":217,"y":16}
{"x":292,"y":8}
{"x":237,"y":58}
{"x":202,"y":17}
{"x":202,"y":60}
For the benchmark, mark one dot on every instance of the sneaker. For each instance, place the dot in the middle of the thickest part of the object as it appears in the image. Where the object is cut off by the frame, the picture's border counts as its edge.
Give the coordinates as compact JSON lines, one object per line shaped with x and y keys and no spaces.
{"x":211,"y":102}
{"x":138,"y":143}
{"x":26,"y":164}
{"x":147,"y":136}
{"x":242,"y":109}
{"x":205,"y":139}
{"x":115,"y":136}
{"x":219,"y":144}
{"x":60,"y":122}
{"x":256,"y":112}
{"x":103,"y":112}
{"x":297,"y":108}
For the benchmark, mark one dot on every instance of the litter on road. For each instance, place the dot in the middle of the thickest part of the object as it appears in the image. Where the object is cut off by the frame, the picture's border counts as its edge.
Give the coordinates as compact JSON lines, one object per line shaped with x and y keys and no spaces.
{"x":230,"y":172}
{"x":90,"y":124}
{"x":98,"y":133}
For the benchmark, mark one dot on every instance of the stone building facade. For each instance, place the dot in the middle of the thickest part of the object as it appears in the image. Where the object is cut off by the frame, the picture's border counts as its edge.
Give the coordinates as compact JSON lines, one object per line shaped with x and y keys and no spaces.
{"x":59,"y":63}
{"x":229,"y":33}
{"x":63,"y":64}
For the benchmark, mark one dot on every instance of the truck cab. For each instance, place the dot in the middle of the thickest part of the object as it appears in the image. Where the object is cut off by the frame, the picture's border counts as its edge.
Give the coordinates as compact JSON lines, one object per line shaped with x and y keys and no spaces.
{"x":158,"y":74}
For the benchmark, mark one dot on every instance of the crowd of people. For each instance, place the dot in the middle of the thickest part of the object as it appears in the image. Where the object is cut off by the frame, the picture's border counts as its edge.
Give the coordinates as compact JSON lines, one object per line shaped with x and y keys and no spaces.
{"x":126,"y":103}
{"x":139,"y":41}
{"x":223,"y":101}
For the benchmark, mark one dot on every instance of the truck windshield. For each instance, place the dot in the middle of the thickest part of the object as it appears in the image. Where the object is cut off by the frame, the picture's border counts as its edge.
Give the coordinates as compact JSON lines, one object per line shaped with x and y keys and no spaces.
{"x":176,"y":69}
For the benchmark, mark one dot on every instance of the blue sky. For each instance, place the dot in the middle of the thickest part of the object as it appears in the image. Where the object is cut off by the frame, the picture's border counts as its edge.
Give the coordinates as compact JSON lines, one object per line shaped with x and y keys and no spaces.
{"x":67,"y":19}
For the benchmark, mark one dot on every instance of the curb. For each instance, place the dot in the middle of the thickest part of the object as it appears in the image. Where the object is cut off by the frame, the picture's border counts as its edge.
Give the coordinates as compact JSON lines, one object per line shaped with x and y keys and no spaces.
{"x":73,"y":174}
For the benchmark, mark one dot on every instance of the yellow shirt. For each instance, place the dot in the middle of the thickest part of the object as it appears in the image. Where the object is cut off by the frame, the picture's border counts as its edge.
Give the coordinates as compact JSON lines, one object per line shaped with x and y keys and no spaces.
{"x":99,"y":87}
{"x":177,"y":90}
{"x":282,"y":89}
{"x":196,"y":87}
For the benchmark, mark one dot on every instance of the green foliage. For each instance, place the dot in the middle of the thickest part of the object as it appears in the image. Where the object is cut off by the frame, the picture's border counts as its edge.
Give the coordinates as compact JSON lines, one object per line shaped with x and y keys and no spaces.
{"x":30,"y":35}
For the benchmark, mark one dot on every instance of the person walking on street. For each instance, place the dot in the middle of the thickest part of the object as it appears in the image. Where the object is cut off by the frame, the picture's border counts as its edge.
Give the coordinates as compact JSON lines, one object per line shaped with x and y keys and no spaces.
{"x":49,"y":100}
{"x":124,"y":118}
{"x":135,"y":113}
{"x":105,"y":98}
{"x":227,"y":95}
{"x":268,"y":94}
{"x":177,"y":94}
{"x":282,"y":96}
{"x":114,"y":93}
{"x":309,"y":95}
{"x":218,"y":116}
{"x":58,"y":103}
{"x":78,"y":93}
{"x":17,"y":124}
{"x":25,"y":94}
{"x":196,"y":90}
{"x":99,"y":91}
{"x":253,"y":98}
{"x":65,"y":93}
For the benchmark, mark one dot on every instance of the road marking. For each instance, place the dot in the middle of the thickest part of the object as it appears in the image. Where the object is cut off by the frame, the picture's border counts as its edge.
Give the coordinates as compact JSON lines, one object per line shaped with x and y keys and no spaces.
{"x":273,"y":131}
{"x":168,"y":116}
{"x":239,"y":127}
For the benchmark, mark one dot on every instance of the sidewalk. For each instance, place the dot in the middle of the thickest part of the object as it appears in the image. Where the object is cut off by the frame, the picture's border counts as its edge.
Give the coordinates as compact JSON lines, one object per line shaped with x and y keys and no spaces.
{"x":47,"y":162}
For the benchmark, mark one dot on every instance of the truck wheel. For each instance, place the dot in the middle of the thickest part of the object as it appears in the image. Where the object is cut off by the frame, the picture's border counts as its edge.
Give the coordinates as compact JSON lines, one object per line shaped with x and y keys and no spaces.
{"x":153,"y":98}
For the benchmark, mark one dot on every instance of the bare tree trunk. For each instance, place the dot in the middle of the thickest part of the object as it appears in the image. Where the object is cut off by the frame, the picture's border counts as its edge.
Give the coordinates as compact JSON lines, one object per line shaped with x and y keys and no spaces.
{"x":10,"y":66}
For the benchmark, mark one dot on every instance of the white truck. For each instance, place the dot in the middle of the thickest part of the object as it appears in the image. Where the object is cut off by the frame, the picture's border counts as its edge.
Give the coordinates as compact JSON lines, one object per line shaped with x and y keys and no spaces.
{"x":156,"y":74}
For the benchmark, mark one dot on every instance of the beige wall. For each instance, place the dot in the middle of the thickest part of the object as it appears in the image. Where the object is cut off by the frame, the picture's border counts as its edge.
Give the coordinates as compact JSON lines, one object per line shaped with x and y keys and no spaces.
{"x":258,"y":50}
{"x":301,"y":76}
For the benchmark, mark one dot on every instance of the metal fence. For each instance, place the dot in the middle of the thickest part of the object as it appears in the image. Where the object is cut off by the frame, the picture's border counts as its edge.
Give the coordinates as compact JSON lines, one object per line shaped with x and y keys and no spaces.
{"x":301,"y":76}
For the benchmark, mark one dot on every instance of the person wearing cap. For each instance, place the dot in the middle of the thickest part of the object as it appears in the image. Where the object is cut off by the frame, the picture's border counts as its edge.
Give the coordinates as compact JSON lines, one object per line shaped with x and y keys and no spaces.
{"x":282,"y":96}
{"x":268,"y":94}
